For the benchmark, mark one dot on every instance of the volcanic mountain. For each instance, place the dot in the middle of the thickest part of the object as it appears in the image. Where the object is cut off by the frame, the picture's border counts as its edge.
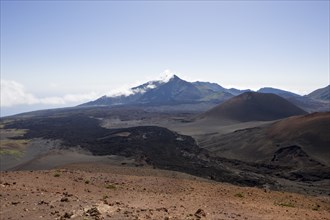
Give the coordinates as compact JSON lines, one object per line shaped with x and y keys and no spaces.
{"x":171,"y":91}
{"x":252,"y":106}
{"x":175,"y":90}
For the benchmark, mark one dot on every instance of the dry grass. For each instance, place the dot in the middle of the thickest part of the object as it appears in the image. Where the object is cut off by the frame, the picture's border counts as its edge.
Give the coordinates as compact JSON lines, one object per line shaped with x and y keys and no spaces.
{"x":15,"y":153}
{"x":6,"y":134}
{"x":6,"y":141}
{"x":9,"y":146}
{"x":13,"y":144}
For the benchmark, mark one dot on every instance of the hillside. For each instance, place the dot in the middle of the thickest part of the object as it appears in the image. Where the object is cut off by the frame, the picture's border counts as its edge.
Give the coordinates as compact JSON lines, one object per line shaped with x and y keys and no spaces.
{"x":299,"y":142}
{"x":310,"y":131}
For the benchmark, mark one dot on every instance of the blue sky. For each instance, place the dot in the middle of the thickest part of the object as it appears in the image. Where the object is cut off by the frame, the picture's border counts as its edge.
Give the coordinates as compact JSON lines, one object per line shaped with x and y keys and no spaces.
{"x":60,"y":53}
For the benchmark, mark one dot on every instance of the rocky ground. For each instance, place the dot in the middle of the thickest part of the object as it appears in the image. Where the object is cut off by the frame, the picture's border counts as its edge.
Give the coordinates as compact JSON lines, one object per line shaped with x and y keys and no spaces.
{"x":98,"y":191}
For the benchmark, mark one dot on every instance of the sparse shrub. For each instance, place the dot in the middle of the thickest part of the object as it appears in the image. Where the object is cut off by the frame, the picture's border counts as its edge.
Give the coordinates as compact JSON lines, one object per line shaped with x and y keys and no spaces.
{"x":105,"y":197}
{"x":110,"y":186}
{"x":87,"y":182}
{"x":239,"y":195}
{"x":57,"y":175}
{"x":285,"y":204}
{"x":316,"y":207}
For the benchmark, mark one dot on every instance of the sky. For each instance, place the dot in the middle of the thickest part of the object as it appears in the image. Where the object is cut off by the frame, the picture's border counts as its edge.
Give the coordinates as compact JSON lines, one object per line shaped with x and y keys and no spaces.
{"x":64,"y":53}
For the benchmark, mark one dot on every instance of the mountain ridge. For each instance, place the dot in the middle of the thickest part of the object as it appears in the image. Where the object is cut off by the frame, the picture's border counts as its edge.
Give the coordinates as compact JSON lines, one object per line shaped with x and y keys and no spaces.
{"x":174,"y":91}
{"x":320,"y":94}
{"x":280,"y":92}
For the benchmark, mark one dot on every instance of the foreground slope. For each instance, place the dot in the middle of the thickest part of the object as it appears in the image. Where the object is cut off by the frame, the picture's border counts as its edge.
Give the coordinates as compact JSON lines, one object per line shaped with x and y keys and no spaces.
{"x":89,"y":191}
{"x":97,"y":191}
{"x":251,"y":106}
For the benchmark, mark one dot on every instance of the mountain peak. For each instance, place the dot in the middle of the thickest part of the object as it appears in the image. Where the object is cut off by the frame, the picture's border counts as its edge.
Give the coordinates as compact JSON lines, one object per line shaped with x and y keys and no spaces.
{"x":167,"y":75}
{"x":174,"y":77}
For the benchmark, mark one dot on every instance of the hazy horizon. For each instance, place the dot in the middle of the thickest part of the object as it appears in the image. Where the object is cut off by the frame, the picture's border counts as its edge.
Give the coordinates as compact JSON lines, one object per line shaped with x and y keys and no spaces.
{"x":56,"y":54}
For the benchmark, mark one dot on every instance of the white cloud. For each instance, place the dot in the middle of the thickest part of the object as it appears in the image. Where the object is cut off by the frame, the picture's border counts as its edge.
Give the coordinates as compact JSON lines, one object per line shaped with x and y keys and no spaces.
{"x":127,"y":90}
{"x":14,"y":93}
{"x":151,"y":86}
{"x":123,"y":91}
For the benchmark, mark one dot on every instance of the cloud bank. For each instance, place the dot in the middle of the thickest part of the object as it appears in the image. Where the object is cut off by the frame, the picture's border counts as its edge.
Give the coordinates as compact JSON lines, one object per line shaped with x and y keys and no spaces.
{"x":14,"y":93}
